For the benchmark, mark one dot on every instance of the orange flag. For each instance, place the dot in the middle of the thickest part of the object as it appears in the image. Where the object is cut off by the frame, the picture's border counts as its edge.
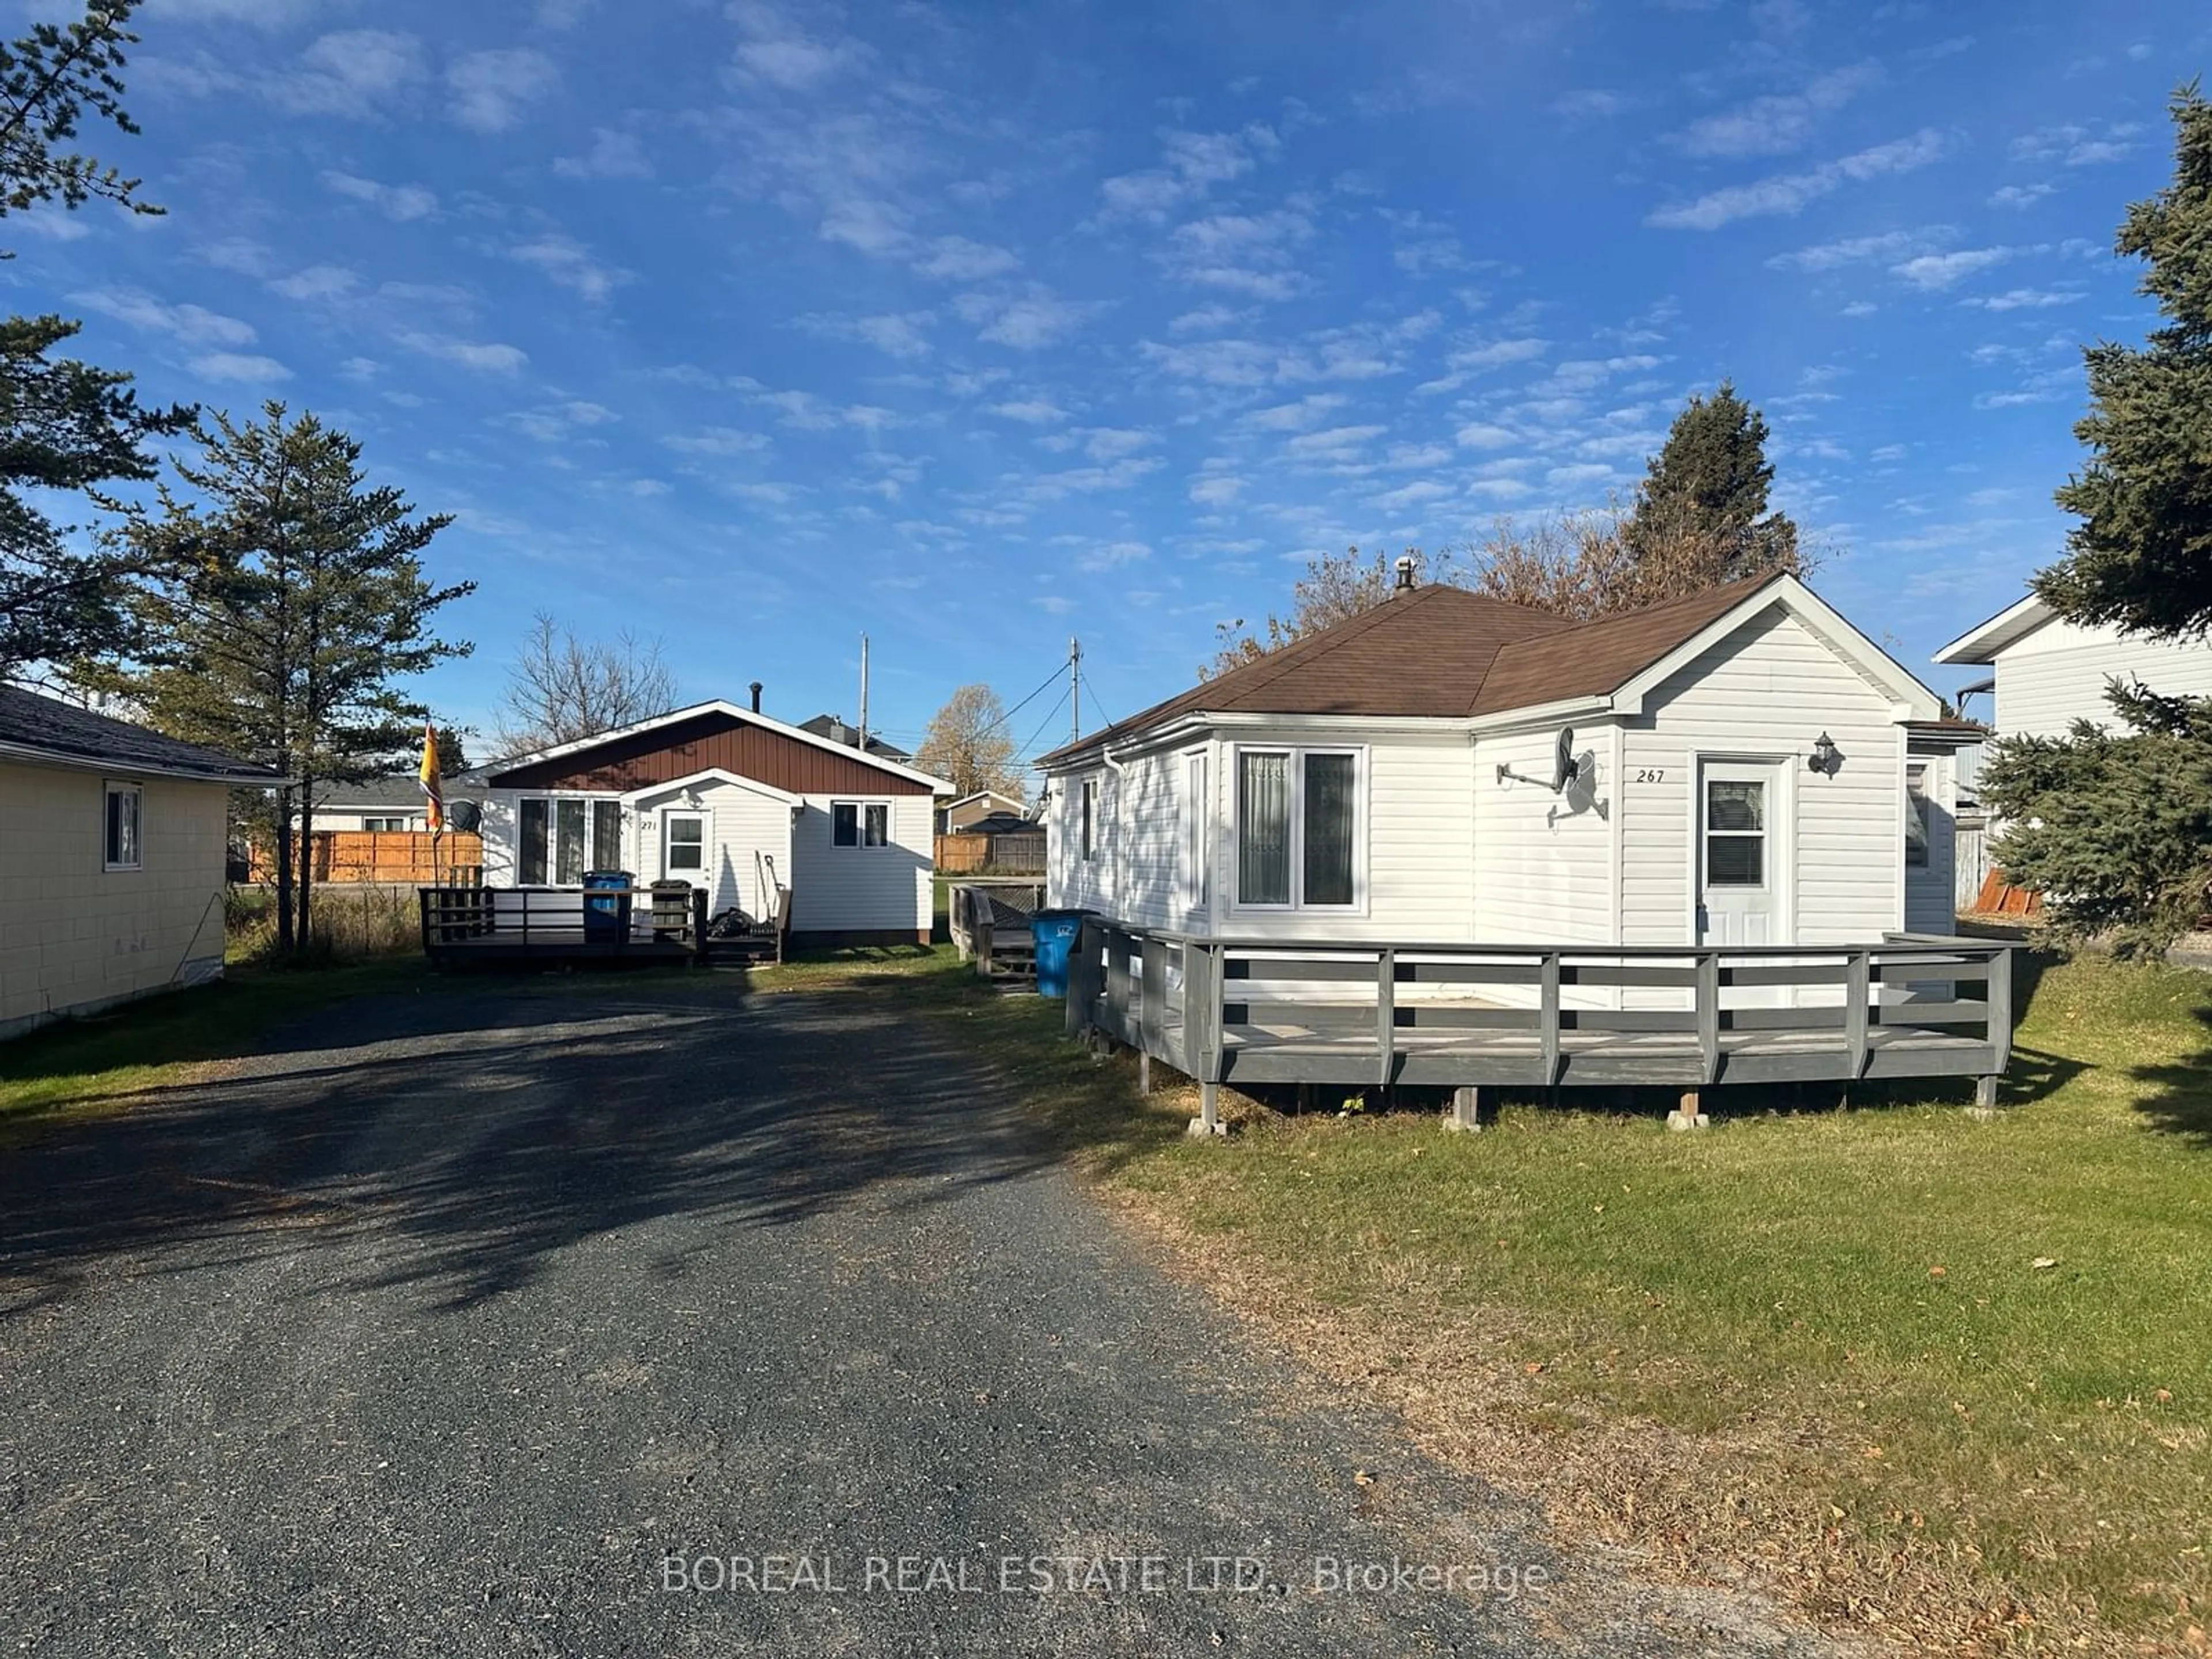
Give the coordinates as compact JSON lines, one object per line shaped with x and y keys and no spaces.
{"x":432,"y":788}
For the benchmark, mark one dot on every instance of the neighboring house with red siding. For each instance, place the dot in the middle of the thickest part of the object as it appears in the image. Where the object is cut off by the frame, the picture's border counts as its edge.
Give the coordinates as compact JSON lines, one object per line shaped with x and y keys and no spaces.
{"x":727,"y":798}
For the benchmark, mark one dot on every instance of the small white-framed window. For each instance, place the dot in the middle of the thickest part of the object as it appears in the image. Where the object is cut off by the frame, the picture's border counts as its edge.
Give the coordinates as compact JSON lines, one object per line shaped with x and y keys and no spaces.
{"x":1918,"y":818}
{"x":1197,"y":815}
{"x":385,"y":826}
{"x":859,"y":823}
{"x":124,"y":827}
{"x":1301,"y":828}
{"x":1735,"y":832}
{"x":684,"y":840}
{"x":1089,"y":819}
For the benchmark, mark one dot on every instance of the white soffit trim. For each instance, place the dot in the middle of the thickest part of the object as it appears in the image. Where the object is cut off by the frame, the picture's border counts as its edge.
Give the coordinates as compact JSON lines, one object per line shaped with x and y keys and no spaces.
{"x":2009,"y":626}
{"x":713,"y":774}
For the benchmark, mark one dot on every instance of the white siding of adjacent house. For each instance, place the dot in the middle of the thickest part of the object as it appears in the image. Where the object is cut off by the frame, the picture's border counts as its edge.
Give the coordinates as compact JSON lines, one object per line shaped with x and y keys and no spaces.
{"x":873,"y":890}
{"x":1766,"y":693}
{"x":1072,"y":881}
{"x":2058,"y":674}
{"x":76,"y":936}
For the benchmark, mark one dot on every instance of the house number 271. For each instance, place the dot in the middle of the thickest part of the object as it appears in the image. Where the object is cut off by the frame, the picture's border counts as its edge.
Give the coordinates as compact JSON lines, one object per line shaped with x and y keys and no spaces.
{"x":1652,"y":774}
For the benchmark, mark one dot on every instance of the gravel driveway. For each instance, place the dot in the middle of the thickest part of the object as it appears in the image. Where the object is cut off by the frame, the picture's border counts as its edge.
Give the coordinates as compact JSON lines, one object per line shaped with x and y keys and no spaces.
{"x":656,"y":1318}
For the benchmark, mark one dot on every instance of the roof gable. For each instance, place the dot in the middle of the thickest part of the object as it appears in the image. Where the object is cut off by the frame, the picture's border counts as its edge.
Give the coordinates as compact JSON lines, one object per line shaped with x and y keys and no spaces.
{"x":1982,"y":643}
{"x":623,"y":743}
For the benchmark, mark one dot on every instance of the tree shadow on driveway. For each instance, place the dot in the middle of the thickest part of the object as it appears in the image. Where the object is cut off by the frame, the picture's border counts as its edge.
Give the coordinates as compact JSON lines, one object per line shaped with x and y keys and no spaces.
{"x":479,"y":1131}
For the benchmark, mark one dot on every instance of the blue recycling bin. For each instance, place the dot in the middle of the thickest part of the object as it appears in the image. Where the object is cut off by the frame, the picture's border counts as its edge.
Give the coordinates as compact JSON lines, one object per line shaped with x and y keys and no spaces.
{"x":607,"y":906}
{"x":1055,"y":933}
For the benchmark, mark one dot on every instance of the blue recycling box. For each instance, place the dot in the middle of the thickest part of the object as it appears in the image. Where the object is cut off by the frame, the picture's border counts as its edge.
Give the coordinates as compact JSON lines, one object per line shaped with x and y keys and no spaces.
{"x":1055,"y":933}
{"x":607,"y":906}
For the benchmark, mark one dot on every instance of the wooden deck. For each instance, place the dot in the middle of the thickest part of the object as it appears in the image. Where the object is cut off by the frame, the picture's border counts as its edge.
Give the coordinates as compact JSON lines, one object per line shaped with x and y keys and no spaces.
{"x":486,"y":926}
{"x":1231,"y":1011}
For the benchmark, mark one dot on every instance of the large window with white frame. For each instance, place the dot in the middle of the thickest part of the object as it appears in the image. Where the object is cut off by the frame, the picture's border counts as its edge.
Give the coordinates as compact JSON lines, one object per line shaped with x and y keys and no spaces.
{"x":558,"y":837}
{"x":1197,"y":815}
{"x":1301,"y":828}
{"x":124,"y":827}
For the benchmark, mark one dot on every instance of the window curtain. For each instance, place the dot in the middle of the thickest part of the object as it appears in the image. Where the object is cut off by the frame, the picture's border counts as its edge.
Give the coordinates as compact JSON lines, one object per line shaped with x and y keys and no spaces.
{"x":1263,"y":829}
{"x":606,"y":835}
{"x":1330,"y":810}
{"x":568,"y":843}
{"x":531,"y":842}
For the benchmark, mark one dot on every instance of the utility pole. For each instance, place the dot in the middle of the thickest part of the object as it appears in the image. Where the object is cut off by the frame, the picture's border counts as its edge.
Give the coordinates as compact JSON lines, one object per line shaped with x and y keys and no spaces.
{"x":1075,"y":686}
{"x":864,"y":694}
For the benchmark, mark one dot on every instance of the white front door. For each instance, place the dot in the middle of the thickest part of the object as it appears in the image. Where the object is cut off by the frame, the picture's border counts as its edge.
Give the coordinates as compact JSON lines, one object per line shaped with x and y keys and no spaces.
{"x":1742,"y":892}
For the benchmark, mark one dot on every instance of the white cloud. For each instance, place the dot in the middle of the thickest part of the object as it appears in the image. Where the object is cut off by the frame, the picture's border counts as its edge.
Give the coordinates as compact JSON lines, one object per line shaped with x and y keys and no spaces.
{"x":562,"y":14}
{"x":315,"y":283}
{"x":192,"y":325}
{"x":1192,"y":163}
{"x":491,"y":91}
{"x":1590,"y":104}
{"x":1775,"y":125}
{"x":486,"y":357}
{"x":52,"y":223}
{"x":612,"y":155}
{"x":2075,"y":145}
{"x":1031,"y":412}
{"x":1294,"y":416}
{"x":902,"y":334}
{"x":776,"y":51}
{"x":957,"y":259}
{"x":240,"y":369}
{"x":1790,"y":192}
{"x":262,"y":13}
{"x":1482,"y":434}
{"x":2020,"y":196}
{"x":1113,"y":554}
{"x":1214,"y":363}
{"x":1053,"y":603}
{"x":1416,"y":494}
{"x":1336,"y":441}
{"x":721,"y":440}
{"x":2020,"y":299}
{"x":1031,"y":319}
{"x":559,"y":423}
{"x":354,"y":74}
{"x":1888,"y":246}
{"x":1497,"y":353}
{"x":570,"y":265}
{"x":1219,"y":489}
{"x":1931,"y":271}
{"x":401,"y":202}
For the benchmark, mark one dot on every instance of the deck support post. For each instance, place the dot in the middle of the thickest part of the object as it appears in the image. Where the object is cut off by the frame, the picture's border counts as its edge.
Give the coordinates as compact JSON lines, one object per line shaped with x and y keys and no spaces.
{"x":1465,"y":1117}
{"x":1686,"y":1115}
{"x":1208,"y":1121}
{"x":1144,"y":1072}
{"x":1985,"y":1098}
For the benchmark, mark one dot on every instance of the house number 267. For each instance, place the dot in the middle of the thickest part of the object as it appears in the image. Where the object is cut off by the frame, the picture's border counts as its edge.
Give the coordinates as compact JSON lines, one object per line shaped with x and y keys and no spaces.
{"x":1652,"y":774}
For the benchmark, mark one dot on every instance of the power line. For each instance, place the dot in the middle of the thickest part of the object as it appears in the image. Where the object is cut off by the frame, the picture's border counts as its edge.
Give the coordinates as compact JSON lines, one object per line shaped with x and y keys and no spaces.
{"x":1029,"y":749}
{"x":1096,"y":698}
{"x":1022,"y":704}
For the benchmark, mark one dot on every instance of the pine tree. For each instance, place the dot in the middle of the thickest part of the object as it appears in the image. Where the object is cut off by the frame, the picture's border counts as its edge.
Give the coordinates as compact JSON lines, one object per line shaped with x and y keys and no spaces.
{"x":296,"y":599}
{"x":1703,"y":496}
{"x":2142,"y":556}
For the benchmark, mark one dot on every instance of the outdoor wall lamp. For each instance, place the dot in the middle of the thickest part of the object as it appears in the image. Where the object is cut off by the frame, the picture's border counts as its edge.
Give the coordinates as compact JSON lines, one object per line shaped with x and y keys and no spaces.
{"x":1824,"y":757}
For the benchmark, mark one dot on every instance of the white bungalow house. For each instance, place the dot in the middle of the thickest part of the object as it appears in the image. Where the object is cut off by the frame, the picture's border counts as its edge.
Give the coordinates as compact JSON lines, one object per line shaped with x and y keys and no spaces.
{"x":1741,"y":768}
{"x":114,"y":843}
{"x":724,"y":797}
{"x":2050,"y":672}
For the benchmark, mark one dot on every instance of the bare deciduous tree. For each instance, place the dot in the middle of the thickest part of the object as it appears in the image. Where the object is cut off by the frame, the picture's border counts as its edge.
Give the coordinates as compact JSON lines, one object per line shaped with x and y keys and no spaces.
{"x":561,"y":688}
{"x":967,"y":743}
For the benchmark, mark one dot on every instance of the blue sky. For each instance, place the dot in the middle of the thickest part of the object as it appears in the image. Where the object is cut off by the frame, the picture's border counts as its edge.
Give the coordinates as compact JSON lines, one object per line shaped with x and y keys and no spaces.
{"x":756,"y":326}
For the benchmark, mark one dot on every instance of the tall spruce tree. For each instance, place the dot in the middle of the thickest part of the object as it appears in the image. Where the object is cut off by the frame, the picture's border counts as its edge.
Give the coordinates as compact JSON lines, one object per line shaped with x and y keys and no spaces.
{"x":1703,"y":496}
{"x":2142,"y":555}
{"x":65,"y":427}
{"x":2115,"y":826}
{"x":295,"y":602}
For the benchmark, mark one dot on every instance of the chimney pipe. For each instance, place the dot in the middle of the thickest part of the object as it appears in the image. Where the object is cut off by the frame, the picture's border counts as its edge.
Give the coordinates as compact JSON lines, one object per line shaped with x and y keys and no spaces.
{"x":1406,"y":573}
{"x":756,"y":691}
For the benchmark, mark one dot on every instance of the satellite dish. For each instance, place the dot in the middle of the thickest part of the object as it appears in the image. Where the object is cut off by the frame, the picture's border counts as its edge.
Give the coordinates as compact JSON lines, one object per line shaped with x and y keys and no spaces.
{"x":466,"y":815}
{"x":1564,"y":767}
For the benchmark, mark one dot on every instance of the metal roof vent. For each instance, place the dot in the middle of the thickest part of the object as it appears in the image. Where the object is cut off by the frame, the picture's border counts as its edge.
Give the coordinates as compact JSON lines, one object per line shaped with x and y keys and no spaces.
{"x":1406,"y":573}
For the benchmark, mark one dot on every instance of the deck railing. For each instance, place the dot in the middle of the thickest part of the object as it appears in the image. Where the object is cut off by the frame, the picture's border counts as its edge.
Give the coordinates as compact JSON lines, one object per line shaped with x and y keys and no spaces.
{"x":988,"y":933}
{"x":463,"y":918}
{"x":1547,"y":1016}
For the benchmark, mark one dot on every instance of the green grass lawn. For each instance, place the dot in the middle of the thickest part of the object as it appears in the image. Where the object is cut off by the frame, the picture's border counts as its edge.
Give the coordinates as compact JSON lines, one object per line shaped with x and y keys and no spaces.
{"x":1948,"y":1376}
{"x":101,"y":1063}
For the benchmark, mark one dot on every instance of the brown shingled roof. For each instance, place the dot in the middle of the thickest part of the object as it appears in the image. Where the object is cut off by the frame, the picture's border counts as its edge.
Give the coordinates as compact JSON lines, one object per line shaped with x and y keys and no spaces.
{"x":1442,"y":653}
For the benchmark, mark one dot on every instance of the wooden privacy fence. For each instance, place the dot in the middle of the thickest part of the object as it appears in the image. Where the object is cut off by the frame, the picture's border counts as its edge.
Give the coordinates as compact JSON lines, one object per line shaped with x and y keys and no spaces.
{"x":411,"y":857}
{"x":1546,"y":1017}
{"x":1012,"y":852}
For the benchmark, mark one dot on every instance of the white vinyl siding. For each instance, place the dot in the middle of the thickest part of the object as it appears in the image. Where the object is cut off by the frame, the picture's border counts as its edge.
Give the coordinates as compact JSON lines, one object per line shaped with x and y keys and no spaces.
{"x":745,"y":843}
{"x":1767,"y":692}
{"x":848,"y":889}
{"x":2058,"y":674}
{"x":1544,"y":874}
